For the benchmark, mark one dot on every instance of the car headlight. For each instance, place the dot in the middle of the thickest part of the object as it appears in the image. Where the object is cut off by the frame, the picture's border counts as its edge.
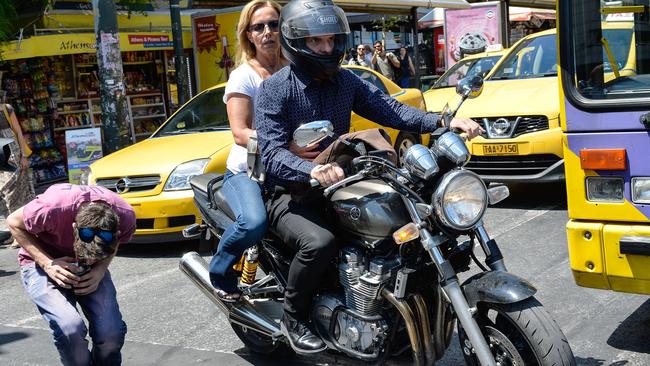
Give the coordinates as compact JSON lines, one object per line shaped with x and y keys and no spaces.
{"x":180,"y":177}
{"x":460,"y":199}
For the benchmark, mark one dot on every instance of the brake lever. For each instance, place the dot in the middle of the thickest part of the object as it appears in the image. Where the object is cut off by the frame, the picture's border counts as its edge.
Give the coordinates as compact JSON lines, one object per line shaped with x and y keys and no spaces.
{"x":337,"y":185}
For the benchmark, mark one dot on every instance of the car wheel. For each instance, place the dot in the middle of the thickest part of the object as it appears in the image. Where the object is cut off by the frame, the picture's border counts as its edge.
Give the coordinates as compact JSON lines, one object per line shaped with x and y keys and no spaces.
{"x":404,"y":141}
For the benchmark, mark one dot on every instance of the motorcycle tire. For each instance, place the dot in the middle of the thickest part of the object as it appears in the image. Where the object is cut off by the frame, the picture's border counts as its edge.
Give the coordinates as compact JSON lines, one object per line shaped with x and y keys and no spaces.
{"x":262,"y":344}
{"x":522,"y":333}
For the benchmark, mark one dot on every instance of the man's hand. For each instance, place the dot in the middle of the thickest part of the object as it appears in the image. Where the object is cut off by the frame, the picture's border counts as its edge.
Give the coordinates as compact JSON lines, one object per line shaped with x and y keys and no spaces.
{"x":306,"y":152}
{"x":61,"y":271}
{"x":327,"y":174}
{"x":89,"y":282}
{"x":471,"y":128}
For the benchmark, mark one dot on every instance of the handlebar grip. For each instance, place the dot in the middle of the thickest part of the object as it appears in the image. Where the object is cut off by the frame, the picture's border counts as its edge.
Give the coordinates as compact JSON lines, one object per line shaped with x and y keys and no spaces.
{"x":314,"y":182}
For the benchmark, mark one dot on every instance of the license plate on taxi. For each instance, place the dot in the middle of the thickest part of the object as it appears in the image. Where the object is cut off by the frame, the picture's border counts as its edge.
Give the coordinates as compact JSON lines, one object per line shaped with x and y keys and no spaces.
{"x":500,"y":149}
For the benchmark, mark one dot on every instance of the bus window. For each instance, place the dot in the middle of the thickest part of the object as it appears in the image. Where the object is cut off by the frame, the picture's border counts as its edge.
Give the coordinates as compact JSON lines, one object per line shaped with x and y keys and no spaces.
{"x":607,"y":58}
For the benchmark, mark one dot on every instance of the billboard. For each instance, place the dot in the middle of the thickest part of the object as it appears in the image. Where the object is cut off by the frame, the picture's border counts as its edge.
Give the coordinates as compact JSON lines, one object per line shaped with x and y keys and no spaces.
{"x":470,"y":31}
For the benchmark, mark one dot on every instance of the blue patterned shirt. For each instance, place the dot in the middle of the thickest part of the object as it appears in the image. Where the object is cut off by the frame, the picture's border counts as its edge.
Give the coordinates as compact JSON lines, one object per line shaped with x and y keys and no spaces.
{"x":289,"y":99}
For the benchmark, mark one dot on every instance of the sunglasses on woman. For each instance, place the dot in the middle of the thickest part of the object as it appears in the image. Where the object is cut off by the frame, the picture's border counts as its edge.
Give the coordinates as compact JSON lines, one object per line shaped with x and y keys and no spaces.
{"x":259,"y":27}
{"x":87,"y":234}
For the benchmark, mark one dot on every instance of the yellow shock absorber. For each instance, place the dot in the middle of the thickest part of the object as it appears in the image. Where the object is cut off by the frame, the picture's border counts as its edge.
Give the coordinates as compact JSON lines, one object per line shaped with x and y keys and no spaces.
{"x":239,"y":266}
{"x":250,"y":266}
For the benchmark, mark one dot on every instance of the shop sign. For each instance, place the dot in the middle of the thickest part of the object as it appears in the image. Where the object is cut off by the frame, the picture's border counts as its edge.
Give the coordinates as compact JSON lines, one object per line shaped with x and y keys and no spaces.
{"x":470,"y":31}
{"x":83,"y":147}
{"x":206,"y":31}
{"x":82,"y":46}
{"x":151,"y":40}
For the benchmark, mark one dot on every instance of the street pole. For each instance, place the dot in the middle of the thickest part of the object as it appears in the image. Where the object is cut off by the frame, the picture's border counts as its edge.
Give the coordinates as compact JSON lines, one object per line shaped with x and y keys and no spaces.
{"x":177,"y":35}
{"x":112,"y":91}
{"x":416,"y":48}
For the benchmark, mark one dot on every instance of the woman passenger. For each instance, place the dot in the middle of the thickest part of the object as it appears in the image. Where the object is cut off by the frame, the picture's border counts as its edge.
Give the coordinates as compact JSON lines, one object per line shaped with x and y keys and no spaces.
{"x":258,"y":57}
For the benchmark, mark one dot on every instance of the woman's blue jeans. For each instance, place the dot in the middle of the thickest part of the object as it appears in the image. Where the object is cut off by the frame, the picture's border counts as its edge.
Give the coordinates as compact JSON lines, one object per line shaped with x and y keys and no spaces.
{"x":59,"y":309}
{"x":245,"y":199}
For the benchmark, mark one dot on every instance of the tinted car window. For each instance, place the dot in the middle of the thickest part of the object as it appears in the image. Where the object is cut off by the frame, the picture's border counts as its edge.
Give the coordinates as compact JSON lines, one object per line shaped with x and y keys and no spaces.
{"x":371,"y":78}
{"x":477,"y":66}
{"x":206,"y":112}
{"x":533,"y":58}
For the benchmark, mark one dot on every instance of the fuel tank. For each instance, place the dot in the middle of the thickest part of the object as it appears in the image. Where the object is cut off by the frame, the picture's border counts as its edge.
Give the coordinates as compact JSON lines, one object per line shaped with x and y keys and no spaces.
{"x":370,"y":211}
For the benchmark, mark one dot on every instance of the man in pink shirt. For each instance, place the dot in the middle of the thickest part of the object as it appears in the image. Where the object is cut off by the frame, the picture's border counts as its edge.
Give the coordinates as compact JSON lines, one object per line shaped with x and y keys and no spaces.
{"x":68,"y":236}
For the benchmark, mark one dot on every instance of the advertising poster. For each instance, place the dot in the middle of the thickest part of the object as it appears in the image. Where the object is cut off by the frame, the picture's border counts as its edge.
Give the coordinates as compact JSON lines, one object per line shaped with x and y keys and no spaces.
{"x":83,"y":146}
{"x":470,"y":31}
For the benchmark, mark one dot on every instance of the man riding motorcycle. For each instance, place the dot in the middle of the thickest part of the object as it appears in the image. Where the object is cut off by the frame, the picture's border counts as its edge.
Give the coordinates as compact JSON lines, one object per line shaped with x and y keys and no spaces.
{"x":314,"y":87}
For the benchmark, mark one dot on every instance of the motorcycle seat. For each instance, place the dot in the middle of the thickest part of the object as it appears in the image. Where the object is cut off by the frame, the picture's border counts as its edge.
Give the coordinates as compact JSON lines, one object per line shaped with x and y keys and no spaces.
{"x":218,"y":200}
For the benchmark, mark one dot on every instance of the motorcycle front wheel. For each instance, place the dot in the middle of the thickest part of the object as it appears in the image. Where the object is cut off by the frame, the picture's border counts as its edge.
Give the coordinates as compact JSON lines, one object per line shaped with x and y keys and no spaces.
{"x":522,"y":333}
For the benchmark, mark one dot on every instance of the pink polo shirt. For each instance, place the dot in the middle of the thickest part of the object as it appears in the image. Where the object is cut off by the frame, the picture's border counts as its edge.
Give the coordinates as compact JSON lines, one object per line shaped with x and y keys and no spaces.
{"x":50,"y":217}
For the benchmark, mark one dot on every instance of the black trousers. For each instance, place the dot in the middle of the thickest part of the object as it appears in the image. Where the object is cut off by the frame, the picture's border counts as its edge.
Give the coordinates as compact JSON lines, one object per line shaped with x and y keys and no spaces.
{"x":302,"y":225}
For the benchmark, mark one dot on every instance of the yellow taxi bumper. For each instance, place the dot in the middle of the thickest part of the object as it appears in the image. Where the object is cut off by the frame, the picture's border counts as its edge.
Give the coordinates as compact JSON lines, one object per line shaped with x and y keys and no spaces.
{"x":162,"y":217}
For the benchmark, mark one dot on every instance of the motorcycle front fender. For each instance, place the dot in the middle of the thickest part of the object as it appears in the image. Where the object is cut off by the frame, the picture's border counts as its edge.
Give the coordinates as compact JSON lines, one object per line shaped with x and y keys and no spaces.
{"x":496,"y":287}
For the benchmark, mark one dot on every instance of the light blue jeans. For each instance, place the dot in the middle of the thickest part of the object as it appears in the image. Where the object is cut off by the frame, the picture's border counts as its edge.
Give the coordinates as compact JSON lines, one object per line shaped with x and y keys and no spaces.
{"x":245,"y":199}
{"x":58,"y":307}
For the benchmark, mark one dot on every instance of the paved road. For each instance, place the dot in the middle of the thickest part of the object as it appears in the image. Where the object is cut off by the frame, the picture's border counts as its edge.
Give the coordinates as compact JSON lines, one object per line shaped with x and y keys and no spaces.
{"x":171,"y":323}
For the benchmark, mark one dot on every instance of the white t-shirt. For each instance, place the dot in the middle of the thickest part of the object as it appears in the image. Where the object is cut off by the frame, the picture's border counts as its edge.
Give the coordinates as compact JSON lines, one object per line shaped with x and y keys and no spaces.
{"x":243,"y":80}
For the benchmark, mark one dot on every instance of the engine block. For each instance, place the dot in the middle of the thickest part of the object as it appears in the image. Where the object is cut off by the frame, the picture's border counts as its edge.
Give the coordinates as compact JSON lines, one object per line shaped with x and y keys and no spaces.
{"x":362,"y":280}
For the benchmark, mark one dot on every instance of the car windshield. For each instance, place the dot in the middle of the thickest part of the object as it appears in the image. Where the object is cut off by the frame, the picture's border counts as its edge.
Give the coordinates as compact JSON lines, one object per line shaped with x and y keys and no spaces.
{"x":533,"y":58}
{"x":205,"y":112}
{"x":463,"y":68}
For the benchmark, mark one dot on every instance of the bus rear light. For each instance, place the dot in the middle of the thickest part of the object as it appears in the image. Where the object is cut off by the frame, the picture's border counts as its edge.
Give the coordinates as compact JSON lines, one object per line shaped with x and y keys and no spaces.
{"x":641,"y":190}
{"x":605,"y":189}
{"x":602,"y":159}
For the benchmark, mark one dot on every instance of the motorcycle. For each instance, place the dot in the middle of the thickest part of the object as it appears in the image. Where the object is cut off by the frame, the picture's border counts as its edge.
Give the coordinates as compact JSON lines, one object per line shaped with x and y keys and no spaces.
{"x":395,"y":282}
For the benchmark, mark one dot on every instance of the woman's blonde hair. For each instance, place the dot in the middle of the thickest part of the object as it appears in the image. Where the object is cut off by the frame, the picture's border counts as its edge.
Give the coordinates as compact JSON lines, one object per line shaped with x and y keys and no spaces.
{"x":246,"y":50}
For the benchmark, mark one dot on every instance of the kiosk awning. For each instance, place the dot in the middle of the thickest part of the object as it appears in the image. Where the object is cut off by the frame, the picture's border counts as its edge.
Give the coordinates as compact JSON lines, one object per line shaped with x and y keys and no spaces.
{"x":436,"y":17}
{"x":71,"y":43}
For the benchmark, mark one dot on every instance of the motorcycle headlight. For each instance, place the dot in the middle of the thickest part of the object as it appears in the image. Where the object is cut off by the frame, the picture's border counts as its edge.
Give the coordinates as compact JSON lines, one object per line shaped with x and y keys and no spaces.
{"x":180,"y":177}
{"x":460,"y":199}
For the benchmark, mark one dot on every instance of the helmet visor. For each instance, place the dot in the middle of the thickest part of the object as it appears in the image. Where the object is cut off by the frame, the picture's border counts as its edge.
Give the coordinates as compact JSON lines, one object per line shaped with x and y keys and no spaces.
{"x":314,"y":22}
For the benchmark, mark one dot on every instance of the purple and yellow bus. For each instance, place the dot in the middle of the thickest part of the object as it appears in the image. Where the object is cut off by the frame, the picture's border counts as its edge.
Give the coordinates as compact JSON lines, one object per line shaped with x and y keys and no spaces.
{"x":604,"y":57}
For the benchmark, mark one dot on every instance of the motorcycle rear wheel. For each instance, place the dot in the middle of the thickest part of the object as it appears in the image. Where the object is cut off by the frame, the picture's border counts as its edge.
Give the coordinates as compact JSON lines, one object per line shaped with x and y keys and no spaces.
{"x":519,"y":334}
{"x":260,"y":343}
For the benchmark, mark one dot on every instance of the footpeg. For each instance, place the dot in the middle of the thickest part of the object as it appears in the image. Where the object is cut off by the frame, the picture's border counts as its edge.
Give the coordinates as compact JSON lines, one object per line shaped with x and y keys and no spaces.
{"x":194,"y":230}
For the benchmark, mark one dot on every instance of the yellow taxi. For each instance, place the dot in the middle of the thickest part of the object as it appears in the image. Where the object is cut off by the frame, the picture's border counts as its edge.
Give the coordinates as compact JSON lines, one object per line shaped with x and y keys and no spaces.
{"x":444,"y":89}
{"x":519,"y":109}
{"x":153,"y":175}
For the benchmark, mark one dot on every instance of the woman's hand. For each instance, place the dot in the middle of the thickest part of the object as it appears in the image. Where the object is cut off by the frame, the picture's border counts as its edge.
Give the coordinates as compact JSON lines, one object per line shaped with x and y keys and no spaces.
{"x":306,"y":152}
{"x":467,"y":125}
{"x":61,"y":271}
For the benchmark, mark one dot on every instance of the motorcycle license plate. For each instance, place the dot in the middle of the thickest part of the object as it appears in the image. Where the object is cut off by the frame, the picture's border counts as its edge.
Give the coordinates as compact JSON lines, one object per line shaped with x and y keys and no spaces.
{"x":500,"y":149}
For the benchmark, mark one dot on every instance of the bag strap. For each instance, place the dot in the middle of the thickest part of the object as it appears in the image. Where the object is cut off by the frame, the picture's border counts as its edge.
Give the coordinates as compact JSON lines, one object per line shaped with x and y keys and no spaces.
{"x":210,"y":185}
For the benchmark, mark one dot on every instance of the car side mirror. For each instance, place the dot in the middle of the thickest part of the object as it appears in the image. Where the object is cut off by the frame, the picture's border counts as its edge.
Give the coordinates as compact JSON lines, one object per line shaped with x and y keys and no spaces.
{"x":470,"y":87}
{"x":313,"y":132}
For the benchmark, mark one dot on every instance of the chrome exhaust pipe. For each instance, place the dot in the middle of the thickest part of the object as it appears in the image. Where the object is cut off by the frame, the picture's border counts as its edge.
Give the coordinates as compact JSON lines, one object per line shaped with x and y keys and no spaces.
{"x":412,"y":330}
{"x":242,"y":312}
{"x":422,"y":316}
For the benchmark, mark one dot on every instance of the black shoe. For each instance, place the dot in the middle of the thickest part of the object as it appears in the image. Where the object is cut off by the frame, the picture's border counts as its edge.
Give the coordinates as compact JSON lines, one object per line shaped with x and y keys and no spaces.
{"x":302,"y":340}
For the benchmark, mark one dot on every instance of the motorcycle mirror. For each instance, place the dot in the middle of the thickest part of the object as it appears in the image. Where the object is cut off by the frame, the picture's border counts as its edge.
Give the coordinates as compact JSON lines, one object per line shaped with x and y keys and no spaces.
{"x":470,"y":87}
{"x":5,"y":152}
{"x":313,"y":132}
{"x":420,"y":162}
